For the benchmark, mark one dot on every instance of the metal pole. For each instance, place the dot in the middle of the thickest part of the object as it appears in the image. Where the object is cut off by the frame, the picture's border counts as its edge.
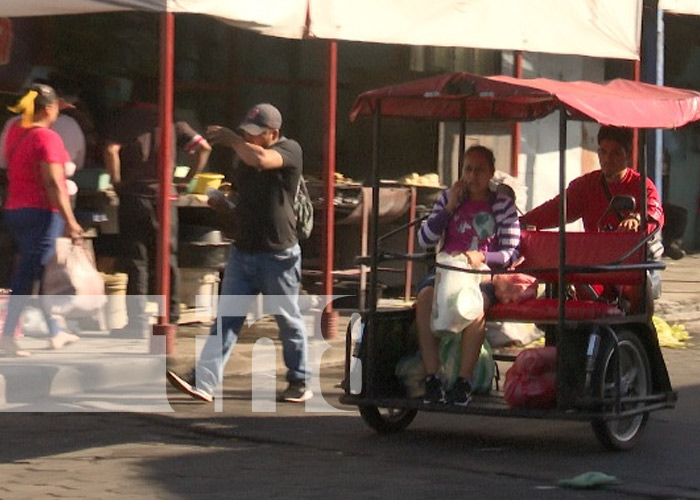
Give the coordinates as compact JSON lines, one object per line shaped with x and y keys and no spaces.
{"x":658,"y":134}
{"x":374,"y":249}
{"x":330,"y":317}
{"x":165,"y":120}
{"x":561,"y":292}
{"x":517,"y":127}
{"x":635,"y":132}
{"x":462,"y":137}
{"x":652,"y":54}
{"x":563,"y":388}
{"x":410,"y":243}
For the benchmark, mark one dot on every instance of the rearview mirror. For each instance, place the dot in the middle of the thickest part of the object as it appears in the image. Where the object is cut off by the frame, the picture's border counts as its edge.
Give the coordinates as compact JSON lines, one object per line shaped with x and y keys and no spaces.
{"x":622,"y":204}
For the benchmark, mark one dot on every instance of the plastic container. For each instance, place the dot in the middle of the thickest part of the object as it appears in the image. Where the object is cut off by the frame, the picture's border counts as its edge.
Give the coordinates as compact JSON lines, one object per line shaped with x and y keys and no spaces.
{"x":203,"y":283}
{"x":201,"y":182}
{"x":115,"y":310}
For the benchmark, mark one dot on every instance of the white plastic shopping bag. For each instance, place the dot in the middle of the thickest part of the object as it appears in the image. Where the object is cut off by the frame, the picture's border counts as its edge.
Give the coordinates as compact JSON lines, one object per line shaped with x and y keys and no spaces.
{"x":72,"y":286}
{"x":457,"y":299}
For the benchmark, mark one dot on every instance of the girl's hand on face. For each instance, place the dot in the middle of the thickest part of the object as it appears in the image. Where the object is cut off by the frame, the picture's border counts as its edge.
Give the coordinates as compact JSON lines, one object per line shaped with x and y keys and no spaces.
{"x":455,"y":195}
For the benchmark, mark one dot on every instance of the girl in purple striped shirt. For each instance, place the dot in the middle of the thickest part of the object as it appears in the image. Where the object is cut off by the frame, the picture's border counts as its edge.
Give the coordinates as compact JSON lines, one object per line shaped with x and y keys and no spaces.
{"x":468,"y":217}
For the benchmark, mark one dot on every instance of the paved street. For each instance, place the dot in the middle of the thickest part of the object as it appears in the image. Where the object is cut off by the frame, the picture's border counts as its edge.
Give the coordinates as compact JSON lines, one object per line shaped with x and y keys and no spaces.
{"x":198,"y":453}
{"x":191,"y":450}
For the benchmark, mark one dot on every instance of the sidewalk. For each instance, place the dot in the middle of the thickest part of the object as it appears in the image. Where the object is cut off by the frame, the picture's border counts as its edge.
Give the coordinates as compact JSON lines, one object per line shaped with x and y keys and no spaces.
{"x":680,"y":290}
{"x":100,"y":373}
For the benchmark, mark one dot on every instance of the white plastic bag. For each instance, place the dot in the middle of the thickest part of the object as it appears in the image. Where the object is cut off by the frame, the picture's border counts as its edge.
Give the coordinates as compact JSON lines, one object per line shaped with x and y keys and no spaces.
{"x":457,"y":299}
{"x":501,"y":334}
{"x":71,"y":285}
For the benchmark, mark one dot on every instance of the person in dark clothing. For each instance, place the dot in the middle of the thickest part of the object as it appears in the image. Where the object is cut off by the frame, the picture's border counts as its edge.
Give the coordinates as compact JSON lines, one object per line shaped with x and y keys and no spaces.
{"x":673,"y":230}
{"x":131,"y":159}
{"x":265,"y":256}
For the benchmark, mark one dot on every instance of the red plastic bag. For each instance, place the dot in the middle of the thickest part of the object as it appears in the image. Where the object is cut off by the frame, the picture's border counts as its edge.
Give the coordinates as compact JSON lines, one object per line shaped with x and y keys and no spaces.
{"x":513,"y":288}
{"x":532,"y":380}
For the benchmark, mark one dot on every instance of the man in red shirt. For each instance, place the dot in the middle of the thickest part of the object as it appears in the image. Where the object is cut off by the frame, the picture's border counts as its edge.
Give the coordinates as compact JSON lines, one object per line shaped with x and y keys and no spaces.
{"x":588,"y":196}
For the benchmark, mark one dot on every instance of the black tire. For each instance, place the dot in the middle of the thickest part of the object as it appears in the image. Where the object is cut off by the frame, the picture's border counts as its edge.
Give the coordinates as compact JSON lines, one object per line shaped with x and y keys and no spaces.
{"x":635,"y":377}
{"x":387,"y":420}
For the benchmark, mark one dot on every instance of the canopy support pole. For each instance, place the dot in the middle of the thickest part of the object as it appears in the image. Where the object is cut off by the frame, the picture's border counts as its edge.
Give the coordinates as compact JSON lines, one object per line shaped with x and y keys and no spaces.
{"x":517,"y":127}
{"x":562,"y":222}
{"x":462,"y":138}
{"x":165,"y":120}
{"x":560,"y":336}
{"x":635,"y":131}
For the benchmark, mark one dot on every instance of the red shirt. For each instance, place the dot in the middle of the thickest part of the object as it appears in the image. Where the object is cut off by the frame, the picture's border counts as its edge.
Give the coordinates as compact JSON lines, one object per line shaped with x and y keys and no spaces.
{"x":587,"y":200}
{"x":25,"y":149}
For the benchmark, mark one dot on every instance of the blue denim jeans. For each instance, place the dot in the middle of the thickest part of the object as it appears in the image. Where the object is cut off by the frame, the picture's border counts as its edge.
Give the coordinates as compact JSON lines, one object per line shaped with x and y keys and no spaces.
{"x":246,"y":275}
{"x":34,"y":232}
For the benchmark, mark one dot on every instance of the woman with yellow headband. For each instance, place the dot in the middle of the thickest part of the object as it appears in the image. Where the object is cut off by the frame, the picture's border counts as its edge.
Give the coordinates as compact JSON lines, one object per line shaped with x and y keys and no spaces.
{"x":37,"y":209}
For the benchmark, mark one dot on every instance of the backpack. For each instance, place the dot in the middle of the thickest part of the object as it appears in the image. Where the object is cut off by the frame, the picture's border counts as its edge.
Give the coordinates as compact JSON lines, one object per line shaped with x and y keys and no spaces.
{"x":304,"y":211}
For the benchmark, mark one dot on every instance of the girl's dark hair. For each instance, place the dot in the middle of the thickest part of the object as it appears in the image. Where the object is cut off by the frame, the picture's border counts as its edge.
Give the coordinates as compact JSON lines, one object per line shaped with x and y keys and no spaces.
{"x":485,"y":151}
{"x":622,"y":136}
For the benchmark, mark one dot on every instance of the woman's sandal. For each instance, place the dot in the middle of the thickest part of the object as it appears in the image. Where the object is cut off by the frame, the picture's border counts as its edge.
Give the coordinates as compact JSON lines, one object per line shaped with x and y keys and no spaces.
{"x":10,"y":347}
{"x":62,"y":339}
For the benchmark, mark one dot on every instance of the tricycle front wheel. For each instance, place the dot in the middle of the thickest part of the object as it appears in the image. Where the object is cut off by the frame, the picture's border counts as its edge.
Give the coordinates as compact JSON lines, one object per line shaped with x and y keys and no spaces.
{"x":635,"y":381}
{"x":387,"y":420}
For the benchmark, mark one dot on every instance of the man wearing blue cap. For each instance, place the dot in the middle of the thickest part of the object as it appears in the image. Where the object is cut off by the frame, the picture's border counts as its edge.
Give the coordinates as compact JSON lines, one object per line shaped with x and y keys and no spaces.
{"x":265,"y":256}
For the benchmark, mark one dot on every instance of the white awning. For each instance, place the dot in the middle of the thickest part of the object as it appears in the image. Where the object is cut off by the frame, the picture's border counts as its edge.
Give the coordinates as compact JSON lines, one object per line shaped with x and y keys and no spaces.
{"x":610,"y":28}
{"x":285,"y":18}
{"x":681,"y":6}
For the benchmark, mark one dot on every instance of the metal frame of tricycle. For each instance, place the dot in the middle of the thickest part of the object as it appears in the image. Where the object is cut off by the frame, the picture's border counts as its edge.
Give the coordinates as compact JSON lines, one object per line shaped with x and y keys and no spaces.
{"x":495,"y":406}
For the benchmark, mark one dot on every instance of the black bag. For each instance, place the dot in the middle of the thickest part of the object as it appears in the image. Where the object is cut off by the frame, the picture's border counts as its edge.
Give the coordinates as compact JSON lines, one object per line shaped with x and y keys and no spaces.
{"x":304,"y":211}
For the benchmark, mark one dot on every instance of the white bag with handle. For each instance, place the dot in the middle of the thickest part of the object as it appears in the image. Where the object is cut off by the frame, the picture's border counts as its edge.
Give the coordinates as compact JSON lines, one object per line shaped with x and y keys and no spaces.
{"x":72,"y":286}
{"x":457,"y":299}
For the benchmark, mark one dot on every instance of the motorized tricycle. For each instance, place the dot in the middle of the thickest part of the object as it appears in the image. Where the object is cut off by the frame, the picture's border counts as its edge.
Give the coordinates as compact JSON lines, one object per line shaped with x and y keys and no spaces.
{"x":609,"y":368}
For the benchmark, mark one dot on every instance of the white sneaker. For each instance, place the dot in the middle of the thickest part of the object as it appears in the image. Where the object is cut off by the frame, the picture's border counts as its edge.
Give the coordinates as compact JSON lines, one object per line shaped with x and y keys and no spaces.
{"x":297,"y":392}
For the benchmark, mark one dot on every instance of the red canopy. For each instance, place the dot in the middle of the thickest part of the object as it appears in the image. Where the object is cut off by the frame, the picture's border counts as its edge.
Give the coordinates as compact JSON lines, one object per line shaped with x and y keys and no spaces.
{"x":451,"y":96}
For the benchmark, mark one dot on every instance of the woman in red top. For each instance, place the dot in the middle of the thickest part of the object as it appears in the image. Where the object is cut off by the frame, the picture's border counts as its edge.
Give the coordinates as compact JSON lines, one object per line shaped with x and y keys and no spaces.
{"x":37,"y":209}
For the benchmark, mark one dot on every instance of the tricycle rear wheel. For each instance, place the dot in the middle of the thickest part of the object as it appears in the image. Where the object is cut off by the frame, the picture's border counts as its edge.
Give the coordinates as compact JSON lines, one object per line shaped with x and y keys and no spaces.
{"x":387,"y":420}
{"x":635,"y":381}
